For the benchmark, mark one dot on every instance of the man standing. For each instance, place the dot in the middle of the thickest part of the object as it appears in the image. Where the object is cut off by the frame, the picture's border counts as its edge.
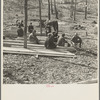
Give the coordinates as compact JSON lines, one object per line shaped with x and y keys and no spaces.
{"x":30,"y":28}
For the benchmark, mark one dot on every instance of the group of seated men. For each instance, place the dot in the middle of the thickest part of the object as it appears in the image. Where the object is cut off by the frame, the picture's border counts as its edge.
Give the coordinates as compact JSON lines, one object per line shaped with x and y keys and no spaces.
{"x":51,"y":44}
{"x":52,"y":40}
{"x":20,"y":30}
{"x":32,"y":33}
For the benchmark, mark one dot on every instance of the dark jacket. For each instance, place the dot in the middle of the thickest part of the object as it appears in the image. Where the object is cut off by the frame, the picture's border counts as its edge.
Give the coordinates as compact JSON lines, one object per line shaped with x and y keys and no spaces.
{"x":20,"y":32}
{"x":76,"y":39}
{"x":30,"y":28}
{"x":49,"y":43}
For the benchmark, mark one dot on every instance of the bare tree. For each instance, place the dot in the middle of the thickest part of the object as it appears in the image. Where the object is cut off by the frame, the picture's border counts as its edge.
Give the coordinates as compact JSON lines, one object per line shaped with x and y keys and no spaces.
{"x":40,"y":16}
{"x":71,"y":8}
{"x":86,"y":10}
{"x":56,"y":12}
{"x":25,"y":29}
{"x":75,"y":10}
{"x":49,"y":9}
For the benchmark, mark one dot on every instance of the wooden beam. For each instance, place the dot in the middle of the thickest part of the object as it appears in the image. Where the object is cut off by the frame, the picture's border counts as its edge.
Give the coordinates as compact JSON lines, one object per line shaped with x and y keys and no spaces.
{"x":25,"y":29}
{"x":40,"y":16}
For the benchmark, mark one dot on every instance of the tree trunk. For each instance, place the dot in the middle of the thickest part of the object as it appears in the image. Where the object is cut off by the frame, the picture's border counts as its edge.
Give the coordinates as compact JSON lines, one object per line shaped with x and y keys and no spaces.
{"x":51,"y":7}
{"x":25,"y":29}
{"x":75,"y":10}
{"x":40,"y":16}
{"x":71,"y":8}
{"x":56,"y":12}
{"x":86,"y":10}
{"x":48,"y":9}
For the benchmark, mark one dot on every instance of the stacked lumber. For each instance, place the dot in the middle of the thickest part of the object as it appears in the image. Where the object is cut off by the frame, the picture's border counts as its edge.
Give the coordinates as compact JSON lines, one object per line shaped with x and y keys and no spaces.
{"x":19,"y":43}
{"x":16,"y":47}
{"x":37,"y":52}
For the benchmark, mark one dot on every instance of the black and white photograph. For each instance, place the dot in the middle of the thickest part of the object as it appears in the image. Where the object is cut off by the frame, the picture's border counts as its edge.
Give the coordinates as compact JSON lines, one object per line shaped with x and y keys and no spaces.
{"x":50,"y":42}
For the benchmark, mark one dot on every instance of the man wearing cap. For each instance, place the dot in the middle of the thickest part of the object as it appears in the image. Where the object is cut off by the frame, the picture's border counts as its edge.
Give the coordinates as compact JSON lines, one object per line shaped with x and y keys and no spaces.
{"x":77,"y":40}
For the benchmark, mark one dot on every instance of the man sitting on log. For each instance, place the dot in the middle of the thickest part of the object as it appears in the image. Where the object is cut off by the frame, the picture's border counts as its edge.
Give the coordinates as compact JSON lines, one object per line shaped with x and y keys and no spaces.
{"x":33,"y":38}
{"x":30,"y":28}
{"x":49,"y":43}
{"x":77,"y":40}
{"x":20,"y":31}
{"x":61,"y":41}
